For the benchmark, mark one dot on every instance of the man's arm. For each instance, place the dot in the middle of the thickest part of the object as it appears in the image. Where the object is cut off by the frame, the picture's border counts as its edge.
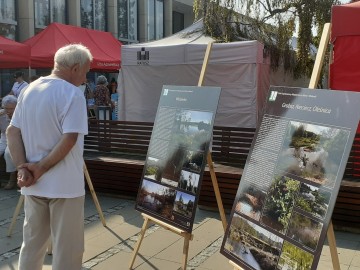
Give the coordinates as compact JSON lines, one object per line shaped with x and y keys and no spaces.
{"x":17,"y":152}
{"x":16,"y":145}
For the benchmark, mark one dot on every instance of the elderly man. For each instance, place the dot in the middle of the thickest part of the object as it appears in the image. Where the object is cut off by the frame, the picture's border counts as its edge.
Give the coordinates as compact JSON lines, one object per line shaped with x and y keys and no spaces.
{"x":45,"y":138}
{"x":8,"y":104}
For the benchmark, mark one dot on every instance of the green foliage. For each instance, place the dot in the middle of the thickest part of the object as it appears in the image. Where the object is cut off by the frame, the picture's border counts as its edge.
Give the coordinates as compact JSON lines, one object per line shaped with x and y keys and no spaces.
{"x":271,"y":22}
{"x":281,"y":199}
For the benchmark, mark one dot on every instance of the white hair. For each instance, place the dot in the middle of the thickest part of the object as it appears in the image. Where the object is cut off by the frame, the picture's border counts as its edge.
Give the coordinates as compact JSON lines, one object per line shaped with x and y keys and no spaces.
{"x":72,"y":54}
{"x":9,"y":99}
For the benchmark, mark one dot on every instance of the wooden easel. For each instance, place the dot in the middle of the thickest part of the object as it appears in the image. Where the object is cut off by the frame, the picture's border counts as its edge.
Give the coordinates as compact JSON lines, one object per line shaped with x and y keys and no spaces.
{"x":93,"y":194}
{"x":147,"y":219}
{"x":324,"y":41}
{"x":187,"y":236}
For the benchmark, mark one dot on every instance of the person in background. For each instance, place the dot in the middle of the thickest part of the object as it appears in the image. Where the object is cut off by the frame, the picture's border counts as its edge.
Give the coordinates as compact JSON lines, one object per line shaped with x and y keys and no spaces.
{"x":19,"y":84}
{"x":8,"y":104}
{"x":101,"y":93}
{"x":48,"y":154}
{"x":112,"y":86}
{"x":34,"y":78}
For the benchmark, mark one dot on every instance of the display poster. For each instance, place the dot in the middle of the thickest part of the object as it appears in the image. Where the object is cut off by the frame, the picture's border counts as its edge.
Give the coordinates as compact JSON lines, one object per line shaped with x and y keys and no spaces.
{"x":176,"y":158}
{"x":291,"y":179}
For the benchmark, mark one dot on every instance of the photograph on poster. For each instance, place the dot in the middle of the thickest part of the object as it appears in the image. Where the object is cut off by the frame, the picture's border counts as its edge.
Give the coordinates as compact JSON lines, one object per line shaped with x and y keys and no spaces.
{"x":192,"y":129}
{"x":193,"y":161}
{"x":189,"y":181}
{"x":251,"y":200}
{"x":304,"y":230}
{"x":173,"y":166}
{"x":153,"y":168}
{"x":156,"y":198}
{"x":293,"y":257}
{"x":184,"y":204}
{"x":279,"y":203}
{"x":254,"y":245}
{"x":313,"y":152}
{"x":313,"y":200}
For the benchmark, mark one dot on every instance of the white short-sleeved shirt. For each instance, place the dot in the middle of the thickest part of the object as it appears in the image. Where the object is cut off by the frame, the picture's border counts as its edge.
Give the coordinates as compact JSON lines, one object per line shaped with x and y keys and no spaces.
{"x":4,"y":123}
{"x":49,"y":108}
{"x":17,"y":87}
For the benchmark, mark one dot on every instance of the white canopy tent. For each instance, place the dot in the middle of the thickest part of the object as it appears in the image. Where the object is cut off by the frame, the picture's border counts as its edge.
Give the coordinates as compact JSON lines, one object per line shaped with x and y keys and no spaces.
{"x":239,"y":68}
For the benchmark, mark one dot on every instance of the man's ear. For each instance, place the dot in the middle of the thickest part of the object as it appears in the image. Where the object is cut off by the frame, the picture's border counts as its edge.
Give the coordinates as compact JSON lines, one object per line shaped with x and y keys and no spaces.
{"x":75,"y":67}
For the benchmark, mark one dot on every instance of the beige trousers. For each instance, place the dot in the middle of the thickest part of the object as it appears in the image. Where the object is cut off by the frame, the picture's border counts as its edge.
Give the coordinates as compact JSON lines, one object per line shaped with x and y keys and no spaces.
{"x":63,"y":220}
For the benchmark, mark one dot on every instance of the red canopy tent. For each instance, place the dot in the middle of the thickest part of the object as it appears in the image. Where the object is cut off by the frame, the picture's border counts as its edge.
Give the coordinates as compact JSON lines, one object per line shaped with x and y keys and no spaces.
{"x":13,"y":54}
{"x":345,"y":36}
{"x":345,"y":68}
{"x":103,"y":46}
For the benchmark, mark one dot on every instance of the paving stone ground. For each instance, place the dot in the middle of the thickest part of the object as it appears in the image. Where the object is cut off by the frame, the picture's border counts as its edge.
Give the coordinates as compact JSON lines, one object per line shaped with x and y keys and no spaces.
{"x":111,"y":247}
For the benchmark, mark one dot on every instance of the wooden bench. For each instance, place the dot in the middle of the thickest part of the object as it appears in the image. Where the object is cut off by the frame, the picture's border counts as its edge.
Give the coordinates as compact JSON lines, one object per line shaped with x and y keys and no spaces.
{"x":347,"y":208}
{"x":115,"y":153}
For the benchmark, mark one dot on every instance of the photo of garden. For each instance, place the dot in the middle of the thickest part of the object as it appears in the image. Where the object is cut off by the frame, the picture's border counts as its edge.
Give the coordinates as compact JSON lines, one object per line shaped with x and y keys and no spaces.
{"x":173,"y":166}
{"x":192,"y":129}
{"x":193,"y":161}
{"x":251,"y":200}
{"x":304,"y":230}
{"x":313,"y":200}
{"x":189,"y":181}
{"x":294,"y":258}
{"x":279,"y":203}
{"x":313,"y":152}
{"x":153,"y":168}
{"x":184,"y":204}
{"x":252,"y":244}
{"x":156,"y":198}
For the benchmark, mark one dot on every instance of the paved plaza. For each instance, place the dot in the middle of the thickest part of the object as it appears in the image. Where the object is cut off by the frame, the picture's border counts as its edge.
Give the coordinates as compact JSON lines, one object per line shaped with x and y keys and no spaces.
{"x":110,"y":248}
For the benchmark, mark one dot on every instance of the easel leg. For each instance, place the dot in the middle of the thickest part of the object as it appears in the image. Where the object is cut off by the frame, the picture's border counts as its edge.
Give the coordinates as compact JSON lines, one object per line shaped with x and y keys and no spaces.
{"x":141,"y":237}
{"x":216,"y":190}
{"x":332,"y":246}
{"x":93,"y":194}
{"x":186,"y":250}
{"x":16,"y":214}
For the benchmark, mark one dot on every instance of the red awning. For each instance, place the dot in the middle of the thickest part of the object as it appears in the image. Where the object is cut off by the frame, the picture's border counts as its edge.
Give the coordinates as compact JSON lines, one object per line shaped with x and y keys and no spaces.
{"x":345,"y":37}
{"x":345,"y":20}
{"x":104,"y":47}
{"x":13,"y":54}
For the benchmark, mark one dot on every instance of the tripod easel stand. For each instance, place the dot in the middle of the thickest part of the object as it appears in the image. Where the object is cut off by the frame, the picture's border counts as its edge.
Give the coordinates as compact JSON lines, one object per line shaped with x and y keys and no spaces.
{"x":187,"y":236}
{"x":312,"y":85}
{"x":93,"y":194}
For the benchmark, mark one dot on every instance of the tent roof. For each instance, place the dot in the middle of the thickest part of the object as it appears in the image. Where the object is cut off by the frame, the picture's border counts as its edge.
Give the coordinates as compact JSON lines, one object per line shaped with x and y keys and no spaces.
{"x":345,"y":20}
{"x":13,"y":54}
{"x":192,"y":34}
{"x":188,"y":47}
{"x":106,"y":49}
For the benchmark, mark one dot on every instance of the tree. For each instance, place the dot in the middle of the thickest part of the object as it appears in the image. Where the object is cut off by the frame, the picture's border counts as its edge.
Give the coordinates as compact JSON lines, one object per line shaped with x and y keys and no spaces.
{"x":272,"y":22}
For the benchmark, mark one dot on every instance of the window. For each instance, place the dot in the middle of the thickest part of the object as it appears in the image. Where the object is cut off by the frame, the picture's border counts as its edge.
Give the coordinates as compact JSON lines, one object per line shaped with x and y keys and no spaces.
{"x":155,"y":19}
{"x":42,"y":13}
{"x":93,"y":14}
{"x":178,"y":21}
{"x":58,"y":11}
{"x":7,"y":19}
{"x":127,"y":21}
{"x":48,"y":11}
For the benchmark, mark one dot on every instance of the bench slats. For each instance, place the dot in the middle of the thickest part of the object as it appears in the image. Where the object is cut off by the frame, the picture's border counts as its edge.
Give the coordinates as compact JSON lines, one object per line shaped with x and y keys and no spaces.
{"x":115,"y":154}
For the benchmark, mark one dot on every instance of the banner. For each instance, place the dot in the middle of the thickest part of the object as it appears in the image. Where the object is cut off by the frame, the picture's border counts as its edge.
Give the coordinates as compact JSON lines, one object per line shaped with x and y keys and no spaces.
{"x":291,"y":179}
{"x":176,"y":158}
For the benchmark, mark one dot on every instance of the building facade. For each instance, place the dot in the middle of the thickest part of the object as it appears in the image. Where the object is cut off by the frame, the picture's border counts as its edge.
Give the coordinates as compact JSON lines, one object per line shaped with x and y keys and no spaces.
{"x":130,"y":21}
